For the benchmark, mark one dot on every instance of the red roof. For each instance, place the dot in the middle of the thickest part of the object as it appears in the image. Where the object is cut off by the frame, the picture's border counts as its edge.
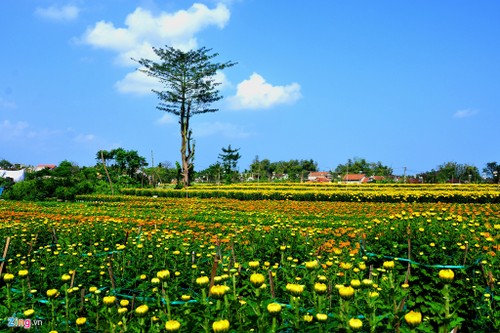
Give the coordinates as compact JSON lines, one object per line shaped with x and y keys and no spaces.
{"x":318,"y":174}
{"x":46,"y":166}
{"x":354,"y":177}
{"x":322,"y":180}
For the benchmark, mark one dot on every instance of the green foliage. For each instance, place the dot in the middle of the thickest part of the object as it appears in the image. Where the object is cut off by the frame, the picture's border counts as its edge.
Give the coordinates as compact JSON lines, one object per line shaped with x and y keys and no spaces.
{"x":162,"y":174}
{"x":452,"y":172}
{"x":5,"y":165}
{"x":6,"y":183}
{"x":492,"y":172}
{"x":63,"y":183}
{"x":212,"y":174}
{"x":229,"y":162}
{"x":360,"y":165}
{"x":295,"y":170}
{"x":29,"y":190}
{"x":190,"y":89}
{"x":123,"y":162}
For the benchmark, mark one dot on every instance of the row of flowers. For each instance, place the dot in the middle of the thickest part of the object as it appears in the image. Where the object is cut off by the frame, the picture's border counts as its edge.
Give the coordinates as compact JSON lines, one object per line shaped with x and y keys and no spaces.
{"x":348,"y":194}
{"x":220,"y":300}
{"x":68,"y":259}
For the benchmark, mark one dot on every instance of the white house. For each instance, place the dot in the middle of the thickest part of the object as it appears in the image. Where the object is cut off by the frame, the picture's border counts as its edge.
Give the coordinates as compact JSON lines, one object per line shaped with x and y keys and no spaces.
{"x":16,"y":175}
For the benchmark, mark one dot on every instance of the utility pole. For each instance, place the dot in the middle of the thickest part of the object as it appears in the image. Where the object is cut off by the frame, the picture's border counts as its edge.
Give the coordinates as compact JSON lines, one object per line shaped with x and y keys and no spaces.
{"x":404,"y":175}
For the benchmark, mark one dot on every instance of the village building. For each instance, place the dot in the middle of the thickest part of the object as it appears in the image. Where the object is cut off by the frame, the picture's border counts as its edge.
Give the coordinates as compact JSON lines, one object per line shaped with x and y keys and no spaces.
{"x":319,"y":177}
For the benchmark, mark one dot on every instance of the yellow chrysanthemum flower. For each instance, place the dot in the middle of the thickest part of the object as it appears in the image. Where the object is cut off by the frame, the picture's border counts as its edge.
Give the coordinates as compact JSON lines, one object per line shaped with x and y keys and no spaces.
{"x":141,"y":310}
{"x":221,"y":326}
{"x":8,"y":277}
{"x":81,"y":321}
{"x":202,"y":281}
{"x":52,"y":293}
{"x":320,"y":288}
{"x":346,"y":292}
{"x":257,"y":279}
{"x":109,"y":300}
{"x":274,"y":308}
{"x":413,"y":319}
{"x":446,"y":275}
{"x":355,"y":324}
{"x":172,"y":326}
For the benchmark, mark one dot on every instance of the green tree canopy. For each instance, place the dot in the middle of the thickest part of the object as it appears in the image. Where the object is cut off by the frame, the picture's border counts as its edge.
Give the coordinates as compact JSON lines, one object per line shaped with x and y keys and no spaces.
{"x":294,"y":169}
{"x":123,"y":162}
{"x":229,"y":162}
{"x":5,"y":165}
{"x":492,"y":171}
{"x":189,"y":89}
{"x":452,"y":172}
{"x":361,"y":165}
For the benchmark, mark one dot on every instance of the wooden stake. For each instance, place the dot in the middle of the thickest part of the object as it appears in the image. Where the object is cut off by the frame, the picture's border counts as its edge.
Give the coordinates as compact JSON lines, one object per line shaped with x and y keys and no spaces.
{"x":271,"y":283}
{"x":4,"y":254}
{"x":110,"y":271}
{"x":72,"y":279}
{"x":126,"y":238}
{"x":465,"y":255}
{"x":213,"y":273}
{"x":54,"y":235}
{"x":82,"y":297}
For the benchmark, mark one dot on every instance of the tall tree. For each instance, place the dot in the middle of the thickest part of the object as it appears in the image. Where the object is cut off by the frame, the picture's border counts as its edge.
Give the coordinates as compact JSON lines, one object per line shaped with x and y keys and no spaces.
{"x":492,"y":171}
{"x":229,"y":158}
{"x":190,"y":89}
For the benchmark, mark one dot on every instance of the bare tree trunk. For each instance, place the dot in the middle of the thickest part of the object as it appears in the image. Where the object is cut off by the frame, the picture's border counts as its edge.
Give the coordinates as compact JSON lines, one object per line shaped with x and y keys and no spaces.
{"x":107,"y":173}
{"x":187,"y":148}
{"x":184,"y":149}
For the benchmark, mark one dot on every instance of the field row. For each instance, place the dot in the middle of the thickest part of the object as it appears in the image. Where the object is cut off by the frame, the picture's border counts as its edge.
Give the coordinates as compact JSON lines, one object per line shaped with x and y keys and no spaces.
{"x":333,"y":192}
{"x":156,"y":264}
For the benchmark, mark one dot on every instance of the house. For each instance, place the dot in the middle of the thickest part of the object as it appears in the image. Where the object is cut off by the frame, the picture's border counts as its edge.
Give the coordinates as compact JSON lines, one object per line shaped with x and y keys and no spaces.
{"x":15,"y":175}
{"x":319,"y":177}
{"x":377,"y":179}
{"x":279,"y":176}
{"x":355,"y":178}
{"x":45,"y":166}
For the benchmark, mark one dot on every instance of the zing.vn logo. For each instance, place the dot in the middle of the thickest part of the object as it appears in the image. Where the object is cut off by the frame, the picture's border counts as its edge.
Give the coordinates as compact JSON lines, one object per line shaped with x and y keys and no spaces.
{"x":25,"y":323}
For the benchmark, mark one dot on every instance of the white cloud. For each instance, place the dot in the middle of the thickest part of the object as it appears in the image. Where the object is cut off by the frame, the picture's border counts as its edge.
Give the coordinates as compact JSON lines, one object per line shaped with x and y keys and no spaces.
{"x":166,"y":119}
{"x":4,"y":104}
{"x":11,"y":131}
{"x":256,"y":93}
{"x":85,"y":138}
{"x":138,"y":83}
{"x":63,"y":13}
{"x":22,"y":131}
{"x":221,"y":129}
{"x":143,"y":29}
{"x":465,"y":113}
{"x":221,"y":78}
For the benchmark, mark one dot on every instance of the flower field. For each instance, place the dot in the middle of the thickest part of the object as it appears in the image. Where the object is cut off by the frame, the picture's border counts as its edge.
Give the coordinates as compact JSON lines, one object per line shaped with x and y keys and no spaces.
{"x":144,"y":264}
{"x":452,"y":193}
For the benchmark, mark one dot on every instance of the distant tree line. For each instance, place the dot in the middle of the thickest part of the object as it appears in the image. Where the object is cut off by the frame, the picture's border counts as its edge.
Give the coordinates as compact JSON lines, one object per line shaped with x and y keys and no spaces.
{"x":452,"y":172}
{"x":120,"y":168}
{"x":360,"y":165}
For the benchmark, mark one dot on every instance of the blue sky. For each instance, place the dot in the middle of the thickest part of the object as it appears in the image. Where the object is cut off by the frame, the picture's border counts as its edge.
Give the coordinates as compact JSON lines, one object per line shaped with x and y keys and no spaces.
{"x":407,"y":83}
